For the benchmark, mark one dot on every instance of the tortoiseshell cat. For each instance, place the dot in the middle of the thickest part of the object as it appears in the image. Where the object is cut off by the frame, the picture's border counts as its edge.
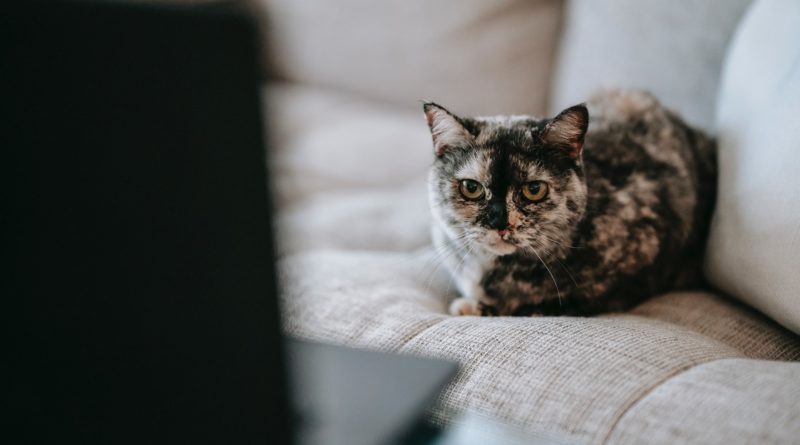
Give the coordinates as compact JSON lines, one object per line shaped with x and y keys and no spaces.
{"x":539,"y":216}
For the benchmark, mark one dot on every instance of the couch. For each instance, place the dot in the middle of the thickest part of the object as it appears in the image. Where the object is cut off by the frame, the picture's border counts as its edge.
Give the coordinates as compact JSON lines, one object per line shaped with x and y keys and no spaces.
{"x":349,"y":155}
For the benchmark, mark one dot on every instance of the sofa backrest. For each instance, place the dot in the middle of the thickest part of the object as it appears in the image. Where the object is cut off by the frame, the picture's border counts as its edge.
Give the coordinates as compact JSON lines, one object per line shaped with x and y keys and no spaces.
{"x":472,"y":56}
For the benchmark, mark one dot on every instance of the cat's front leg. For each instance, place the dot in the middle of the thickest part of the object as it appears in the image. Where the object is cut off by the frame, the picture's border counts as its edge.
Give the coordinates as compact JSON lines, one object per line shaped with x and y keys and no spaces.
{"x":467,"y":273}
{"x":474,"y":306}
{"x":471,"y":294}
{"x":475,"y":302}
{"x":467,"y":268}
{"x":464,"y":306}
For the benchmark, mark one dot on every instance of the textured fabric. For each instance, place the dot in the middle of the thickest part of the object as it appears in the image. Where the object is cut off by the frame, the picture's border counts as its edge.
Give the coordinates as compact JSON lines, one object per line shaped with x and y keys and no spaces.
{"x":567,"y":378}
{"x":724,"y":321}
{"x":722,"y":402}
{"x":474,"y":56}
{"x":673,"y":48}
{"x":754,"y":247}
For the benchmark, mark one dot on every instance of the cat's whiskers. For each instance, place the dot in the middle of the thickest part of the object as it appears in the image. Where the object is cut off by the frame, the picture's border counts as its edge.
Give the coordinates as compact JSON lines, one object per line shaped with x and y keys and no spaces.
{"x":432,"y":266}
{"x":425,"y":251}
{"x":462,"y":264}
{"x":438,"y":252}
{"x":437,"y":259}
{"x":408,"y":257}
{"x":565,"y":268}
{"x":556,"y":242}
{"x":462,"y":242}
{"x":558,"y":292}
{"x":459,"y":268}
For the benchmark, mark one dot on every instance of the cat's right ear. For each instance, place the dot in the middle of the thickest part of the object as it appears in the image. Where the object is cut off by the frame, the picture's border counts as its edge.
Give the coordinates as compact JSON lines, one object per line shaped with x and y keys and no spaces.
{"x":446,"y":128}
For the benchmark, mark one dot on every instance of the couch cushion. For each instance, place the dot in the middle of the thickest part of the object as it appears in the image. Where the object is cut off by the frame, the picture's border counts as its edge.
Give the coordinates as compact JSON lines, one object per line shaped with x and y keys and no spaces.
{"x":674,"y":49}
{"x":754,"y":247}
{"x":472,"y":55}
{"x":568,"y":378}
{"x":723,"y":402}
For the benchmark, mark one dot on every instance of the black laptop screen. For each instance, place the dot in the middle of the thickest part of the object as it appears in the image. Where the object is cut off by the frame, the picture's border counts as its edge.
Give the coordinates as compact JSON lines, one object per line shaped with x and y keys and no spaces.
{"x":139,"y":291}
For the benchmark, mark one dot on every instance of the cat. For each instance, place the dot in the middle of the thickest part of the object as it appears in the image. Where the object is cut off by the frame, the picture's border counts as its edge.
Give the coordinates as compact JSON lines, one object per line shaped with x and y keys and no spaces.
{"x":552,"y":217}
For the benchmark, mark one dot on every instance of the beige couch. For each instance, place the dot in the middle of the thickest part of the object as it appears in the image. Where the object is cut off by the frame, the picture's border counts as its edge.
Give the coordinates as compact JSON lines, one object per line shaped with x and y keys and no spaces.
{"x":350,"y":151}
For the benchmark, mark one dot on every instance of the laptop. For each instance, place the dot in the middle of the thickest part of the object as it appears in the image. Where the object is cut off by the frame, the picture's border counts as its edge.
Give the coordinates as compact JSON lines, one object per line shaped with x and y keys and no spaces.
{"x":139,"y":289}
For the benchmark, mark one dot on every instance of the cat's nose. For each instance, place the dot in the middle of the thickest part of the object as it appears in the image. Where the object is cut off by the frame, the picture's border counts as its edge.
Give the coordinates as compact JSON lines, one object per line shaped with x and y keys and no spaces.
{"x":498,"y":218}
{"x":502,"y":233}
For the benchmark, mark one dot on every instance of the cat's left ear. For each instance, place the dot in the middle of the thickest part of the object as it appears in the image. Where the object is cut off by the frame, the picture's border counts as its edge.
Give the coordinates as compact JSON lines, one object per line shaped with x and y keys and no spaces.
{"x":568,"y":129}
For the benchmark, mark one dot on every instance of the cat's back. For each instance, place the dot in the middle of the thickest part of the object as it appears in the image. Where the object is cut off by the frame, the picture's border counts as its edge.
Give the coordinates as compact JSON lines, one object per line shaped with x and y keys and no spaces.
{"x":650,"y":177}
{"x":630,"y":127}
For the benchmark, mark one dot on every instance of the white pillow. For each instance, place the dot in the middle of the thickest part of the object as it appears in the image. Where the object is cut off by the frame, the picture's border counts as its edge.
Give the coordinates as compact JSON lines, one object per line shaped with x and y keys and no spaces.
{"x":673,"y":48}
{"x":473,"y":56}
{"x":754,"y":247}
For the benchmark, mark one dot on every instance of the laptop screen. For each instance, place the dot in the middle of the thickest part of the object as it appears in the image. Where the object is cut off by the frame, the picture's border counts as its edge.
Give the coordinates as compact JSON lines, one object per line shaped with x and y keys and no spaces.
{"x":140,"y":295}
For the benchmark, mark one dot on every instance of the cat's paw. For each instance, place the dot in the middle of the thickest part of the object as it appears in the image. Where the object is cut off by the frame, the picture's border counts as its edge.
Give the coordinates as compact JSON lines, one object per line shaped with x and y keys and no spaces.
{"x":464,"y":306}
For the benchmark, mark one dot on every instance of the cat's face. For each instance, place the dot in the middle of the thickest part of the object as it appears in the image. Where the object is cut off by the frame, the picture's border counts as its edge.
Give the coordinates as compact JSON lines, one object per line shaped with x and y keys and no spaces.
{"x":509,"y":184}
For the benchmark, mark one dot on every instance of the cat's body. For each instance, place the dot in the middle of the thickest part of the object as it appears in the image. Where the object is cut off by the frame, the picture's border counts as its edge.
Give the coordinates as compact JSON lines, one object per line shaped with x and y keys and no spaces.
{"x":540,"y":217}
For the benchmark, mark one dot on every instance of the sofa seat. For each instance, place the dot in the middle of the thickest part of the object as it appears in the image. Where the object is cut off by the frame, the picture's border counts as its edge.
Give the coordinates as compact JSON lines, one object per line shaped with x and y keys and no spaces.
{"x":357,"y":269}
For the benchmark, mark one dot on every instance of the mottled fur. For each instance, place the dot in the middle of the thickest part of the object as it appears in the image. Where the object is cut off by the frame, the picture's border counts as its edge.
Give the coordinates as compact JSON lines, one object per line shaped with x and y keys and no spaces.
{"x":627,"y":209}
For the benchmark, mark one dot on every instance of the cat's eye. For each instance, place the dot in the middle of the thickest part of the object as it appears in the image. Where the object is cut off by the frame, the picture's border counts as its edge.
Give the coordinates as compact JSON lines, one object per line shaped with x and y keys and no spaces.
{"x":471,"y":189}
{"x":535,"y":191}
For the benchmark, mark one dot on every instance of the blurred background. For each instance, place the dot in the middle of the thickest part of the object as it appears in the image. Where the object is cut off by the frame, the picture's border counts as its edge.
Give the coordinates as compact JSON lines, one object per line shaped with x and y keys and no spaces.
{"x":344,"y":80}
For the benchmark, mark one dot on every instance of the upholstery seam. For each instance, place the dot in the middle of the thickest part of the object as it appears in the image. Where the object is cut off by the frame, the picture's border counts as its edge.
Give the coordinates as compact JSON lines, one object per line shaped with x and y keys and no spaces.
{"x":650,"y":389}
{"x":420,"y":332}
